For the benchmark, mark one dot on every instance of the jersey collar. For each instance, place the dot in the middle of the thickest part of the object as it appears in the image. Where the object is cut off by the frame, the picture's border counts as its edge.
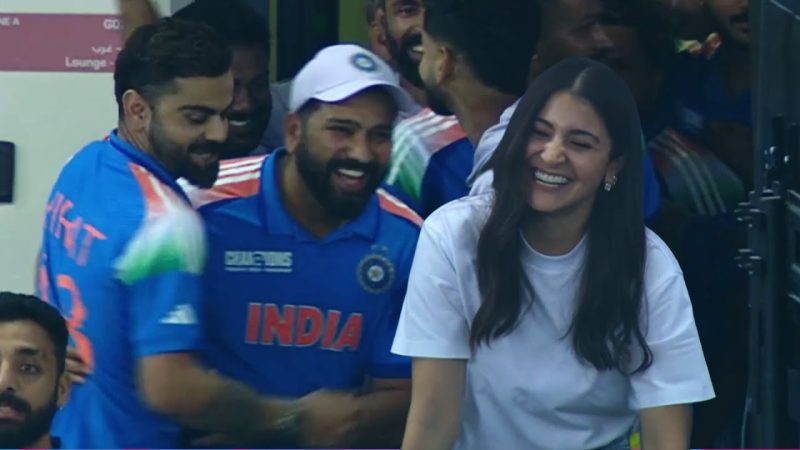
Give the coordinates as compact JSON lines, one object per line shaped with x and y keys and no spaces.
{"x":148,"y":162}
{"x":278,"y":221}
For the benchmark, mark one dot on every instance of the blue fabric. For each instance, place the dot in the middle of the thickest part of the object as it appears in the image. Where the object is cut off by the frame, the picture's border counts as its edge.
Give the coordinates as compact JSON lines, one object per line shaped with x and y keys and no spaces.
{"x":695,"y":85}
{"x":101,"y":266}
{"x":652,"y":191}
{"x":292,"y":313}
{"x":446,"y":176}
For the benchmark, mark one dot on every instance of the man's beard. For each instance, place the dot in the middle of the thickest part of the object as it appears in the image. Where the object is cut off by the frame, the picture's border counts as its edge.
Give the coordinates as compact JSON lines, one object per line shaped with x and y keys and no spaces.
{"x":35,"y":426}
{"x":401,"y":55}
{"x":179,"y":160}
{"x":436,"y":101}
{"x":318,"y":177}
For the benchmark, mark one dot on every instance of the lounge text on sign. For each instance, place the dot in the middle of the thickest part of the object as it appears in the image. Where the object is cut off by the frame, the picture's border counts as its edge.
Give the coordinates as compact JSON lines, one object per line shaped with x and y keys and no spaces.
{"x":59,"y":42}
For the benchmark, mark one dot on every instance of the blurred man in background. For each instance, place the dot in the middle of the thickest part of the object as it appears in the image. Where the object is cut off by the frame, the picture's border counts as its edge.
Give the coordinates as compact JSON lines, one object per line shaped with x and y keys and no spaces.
{"x":714,"y":90}
{"x":687,"y":18}
{"x":247,"y":33}
{"x":570,"y":28}
{"x":431,"y":156}
{"x":400,"y":25}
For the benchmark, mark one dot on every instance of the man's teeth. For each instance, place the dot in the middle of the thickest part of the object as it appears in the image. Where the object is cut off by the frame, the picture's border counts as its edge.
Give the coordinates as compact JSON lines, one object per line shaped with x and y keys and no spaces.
{"x":351,"y":173}
{"x":8,"y":411}
{"x":417,"y":49}
{"x":550,"y":179}
{"x":239,"y":123}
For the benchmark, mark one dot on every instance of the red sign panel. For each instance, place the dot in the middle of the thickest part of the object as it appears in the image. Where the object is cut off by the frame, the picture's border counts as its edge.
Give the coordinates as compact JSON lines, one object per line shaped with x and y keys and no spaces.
{"x":59,"y":42}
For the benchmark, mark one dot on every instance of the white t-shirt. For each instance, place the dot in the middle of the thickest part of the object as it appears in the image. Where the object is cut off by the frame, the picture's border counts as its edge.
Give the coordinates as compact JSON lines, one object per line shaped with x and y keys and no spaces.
{"x":483,"y":183}
{"x":529,"y":389}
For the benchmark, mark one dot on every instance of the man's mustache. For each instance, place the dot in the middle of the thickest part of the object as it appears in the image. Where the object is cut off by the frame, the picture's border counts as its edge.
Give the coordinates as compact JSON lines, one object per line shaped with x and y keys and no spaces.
{"x":215,"y":148}
{"x":12,"y":401}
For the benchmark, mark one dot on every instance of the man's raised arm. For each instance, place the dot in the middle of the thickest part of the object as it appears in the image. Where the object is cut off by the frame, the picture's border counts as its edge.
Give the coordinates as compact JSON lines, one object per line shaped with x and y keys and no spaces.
{"x":135,"y":13}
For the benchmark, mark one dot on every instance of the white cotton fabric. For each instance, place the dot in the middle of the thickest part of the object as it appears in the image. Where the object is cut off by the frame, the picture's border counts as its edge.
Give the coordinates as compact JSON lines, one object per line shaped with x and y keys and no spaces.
{"x":528,"y":389}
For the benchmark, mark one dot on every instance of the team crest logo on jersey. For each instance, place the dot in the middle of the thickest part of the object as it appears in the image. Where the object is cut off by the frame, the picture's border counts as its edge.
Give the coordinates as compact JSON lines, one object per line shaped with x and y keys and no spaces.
{"x":375,"y":273}
{"x":363,"y":61}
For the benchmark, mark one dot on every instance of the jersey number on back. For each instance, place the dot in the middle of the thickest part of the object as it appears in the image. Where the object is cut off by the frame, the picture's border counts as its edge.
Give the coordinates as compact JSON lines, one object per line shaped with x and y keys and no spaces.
{"x":76,"y":314}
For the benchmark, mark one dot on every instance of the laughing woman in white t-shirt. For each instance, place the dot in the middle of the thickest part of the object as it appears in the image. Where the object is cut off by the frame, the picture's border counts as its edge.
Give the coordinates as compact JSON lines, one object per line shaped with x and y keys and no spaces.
{"x":545,"y":315}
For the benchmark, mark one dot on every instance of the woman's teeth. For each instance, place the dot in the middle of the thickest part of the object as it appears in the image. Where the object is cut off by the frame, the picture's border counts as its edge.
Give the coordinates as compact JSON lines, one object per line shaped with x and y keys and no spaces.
{"x":549,"y":178}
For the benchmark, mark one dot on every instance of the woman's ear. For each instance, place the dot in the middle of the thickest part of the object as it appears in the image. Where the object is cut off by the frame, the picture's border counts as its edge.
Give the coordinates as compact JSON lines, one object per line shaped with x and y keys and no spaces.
{"x":615,"y":166}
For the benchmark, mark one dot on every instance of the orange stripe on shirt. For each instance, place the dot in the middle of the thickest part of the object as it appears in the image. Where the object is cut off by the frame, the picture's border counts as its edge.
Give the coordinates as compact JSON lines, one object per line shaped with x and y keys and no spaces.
{"x":227,"y":191}
{"x":394,"y":206}
{"x":154,"y":202}
{"x":446,"y":137}
{"x":242,"y":162}
{"x":243,"y":179}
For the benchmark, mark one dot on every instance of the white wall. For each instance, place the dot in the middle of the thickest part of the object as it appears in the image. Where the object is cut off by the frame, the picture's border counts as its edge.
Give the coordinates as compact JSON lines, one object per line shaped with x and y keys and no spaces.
{"x":48,"y":116}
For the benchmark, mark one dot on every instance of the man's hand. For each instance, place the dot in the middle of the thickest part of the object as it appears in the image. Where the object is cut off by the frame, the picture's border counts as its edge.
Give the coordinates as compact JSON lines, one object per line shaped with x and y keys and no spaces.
{"x":330,"y":419}
{"x":134,"y":14}
{"x":77,"y":369}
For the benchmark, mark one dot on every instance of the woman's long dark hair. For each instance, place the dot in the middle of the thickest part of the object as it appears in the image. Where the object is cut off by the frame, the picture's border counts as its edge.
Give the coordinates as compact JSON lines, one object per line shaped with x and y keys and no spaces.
{"x":605,"y":329}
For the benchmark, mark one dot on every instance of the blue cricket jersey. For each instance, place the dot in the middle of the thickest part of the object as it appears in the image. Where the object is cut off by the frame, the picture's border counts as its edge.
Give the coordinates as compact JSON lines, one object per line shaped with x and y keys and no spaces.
{"x":121,"y":257}
{"x":446,"y":176}
{"x":431,"y":160}
{"x":698,"y":96}
{"x":652,"y":191}
{"x":290,"y":313}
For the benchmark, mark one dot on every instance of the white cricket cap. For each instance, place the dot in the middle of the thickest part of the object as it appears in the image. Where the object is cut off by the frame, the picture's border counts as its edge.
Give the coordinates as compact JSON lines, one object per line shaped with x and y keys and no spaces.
{"x":339,"y":72}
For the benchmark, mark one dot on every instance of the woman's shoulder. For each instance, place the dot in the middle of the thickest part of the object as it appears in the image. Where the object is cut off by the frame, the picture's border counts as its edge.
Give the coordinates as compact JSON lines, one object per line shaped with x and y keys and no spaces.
{"x":460,"y":222}
{"x":469,"y":210}
{"x":661,"y":263}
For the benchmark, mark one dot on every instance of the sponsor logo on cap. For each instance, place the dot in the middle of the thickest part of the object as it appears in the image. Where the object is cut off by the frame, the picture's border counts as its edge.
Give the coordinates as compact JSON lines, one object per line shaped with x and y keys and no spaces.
{"x":363,"y":61}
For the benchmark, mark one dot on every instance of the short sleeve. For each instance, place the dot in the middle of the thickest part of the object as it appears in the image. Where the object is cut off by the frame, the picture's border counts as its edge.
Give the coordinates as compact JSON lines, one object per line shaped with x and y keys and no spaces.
{"x":161,"y":271}
{"x":483,"y":183}
{"x":679,"y":373}
{"x":433,"y":323}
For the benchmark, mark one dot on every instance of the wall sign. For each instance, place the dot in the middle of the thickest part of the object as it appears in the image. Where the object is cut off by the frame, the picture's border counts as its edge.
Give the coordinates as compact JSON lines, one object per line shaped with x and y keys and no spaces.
{"x":59,"y":42}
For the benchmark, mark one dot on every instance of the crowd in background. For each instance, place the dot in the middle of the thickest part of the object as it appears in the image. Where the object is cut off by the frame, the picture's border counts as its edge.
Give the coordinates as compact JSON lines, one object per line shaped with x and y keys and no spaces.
{"x":437,"y":240}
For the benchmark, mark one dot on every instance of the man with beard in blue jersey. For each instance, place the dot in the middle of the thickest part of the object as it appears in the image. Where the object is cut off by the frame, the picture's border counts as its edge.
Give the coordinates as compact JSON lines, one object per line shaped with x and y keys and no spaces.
{"x":309,"y":259}
{"x":123,"y":251}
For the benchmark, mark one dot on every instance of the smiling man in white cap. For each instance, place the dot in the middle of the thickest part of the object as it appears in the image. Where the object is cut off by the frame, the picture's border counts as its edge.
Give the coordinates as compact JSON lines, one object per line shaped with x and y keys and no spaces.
{"x":309,"y":259}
